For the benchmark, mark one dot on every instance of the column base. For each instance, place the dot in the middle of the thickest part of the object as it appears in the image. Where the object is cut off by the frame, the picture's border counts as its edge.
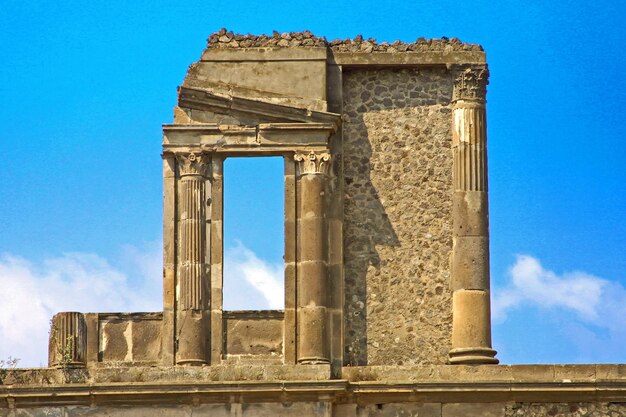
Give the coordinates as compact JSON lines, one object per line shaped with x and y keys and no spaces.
{"x":313,"y":361}
{"x":473,"y":356}
{"x":191,"y":362}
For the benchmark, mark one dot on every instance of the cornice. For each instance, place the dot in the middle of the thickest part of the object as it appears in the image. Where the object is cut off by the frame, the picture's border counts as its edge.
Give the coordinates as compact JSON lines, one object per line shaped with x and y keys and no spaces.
{"x":282,"y":383}
{"x":406,"y":59}
{"x":201,"y":99}
{"x":340,"y":391}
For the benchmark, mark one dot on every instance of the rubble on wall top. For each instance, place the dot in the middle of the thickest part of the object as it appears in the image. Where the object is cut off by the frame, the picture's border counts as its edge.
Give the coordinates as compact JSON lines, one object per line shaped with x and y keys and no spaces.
{"x":226,"y":39}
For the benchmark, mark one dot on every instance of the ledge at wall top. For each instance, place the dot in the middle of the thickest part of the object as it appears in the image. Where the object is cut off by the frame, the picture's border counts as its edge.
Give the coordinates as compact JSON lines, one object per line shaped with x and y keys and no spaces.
{"x":345,"y":58}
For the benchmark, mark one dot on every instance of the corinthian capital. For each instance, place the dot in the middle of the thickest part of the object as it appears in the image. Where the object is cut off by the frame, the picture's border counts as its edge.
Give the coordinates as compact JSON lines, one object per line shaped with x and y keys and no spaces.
{"x":193,"y":163}
{"x":470,"y":82}
{"x":313,"y":163}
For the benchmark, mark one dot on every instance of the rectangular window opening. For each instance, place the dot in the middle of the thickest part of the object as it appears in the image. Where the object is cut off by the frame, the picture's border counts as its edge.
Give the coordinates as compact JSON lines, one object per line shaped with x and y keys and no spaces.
{"x":254,"y":233}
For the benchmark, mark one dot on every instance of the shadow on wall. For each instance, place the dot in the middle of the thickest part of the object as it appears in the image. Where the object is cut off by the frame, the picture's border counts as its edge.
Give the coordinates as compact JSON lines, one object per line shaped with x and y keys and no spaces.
{"x":383,"y":156}
{"x":365,"y":225}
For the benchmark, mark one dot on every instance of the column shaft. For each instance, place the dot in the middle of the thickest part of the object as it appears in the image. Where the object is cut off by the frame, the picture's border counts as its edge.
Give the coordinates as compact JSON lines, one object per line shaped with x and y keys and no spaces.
{"x":68,"y":340}
{"x":191,"y":335}
{"x":312,"y":263}
{"x":471,"y":323}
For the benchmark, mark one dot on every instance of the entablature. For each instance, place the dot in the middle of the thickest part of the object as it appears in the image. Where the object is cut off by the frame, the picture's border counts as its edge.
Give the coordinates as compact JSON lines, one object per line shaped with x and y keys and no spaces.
{"x":263,"y":138}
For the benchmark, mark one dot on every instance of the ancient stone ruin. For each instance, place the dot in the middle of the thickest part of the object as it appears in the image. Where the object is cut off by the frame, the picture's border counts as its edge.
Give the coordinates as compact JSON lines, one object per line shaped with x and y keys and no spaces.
{"x":386,"y":236}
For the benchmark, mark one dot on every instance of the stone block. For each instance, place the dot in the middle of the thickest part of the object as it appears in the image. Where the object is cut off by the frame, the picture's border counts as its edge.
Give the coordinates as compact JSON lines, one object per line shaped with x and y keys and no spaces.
{"x":611,"y":372}
{"x":216,"y":334}
{"x":473,"y":410}
{"x":299,"y":409}
{"x":265,"y":54}
{"x":254,"y":333}
{"x":470,"y":263}
{"x":335,"y":286}
{"x":290,"y":240}
{"x":115,"y":340}
{"x":285,"y":139}
{"x":146,"y":340}
{"x":345,"y":410}
{"x":136,"y":411}
{"x":335,"y":237}
{"x":312,"y":198}
{"x":93,"y":338}
{"x":575,"y":373}
{"x":473,"y":373}
{"x":400,"y":409}
{"x":167,"y":338}
{"x":290,"y":285}
{"x":312,"y":333}
{"x":471,"y":319}
{"x":311,"y":245}
{"x":305,"y":79}
{"x":312,"y":277}
{"x":191,"y":333}
{"x":37,"y":412}
{"x":532,"y":373}
{"x":211,"y":410}
{"x":470,"y":211}
{"x":290,"y":336}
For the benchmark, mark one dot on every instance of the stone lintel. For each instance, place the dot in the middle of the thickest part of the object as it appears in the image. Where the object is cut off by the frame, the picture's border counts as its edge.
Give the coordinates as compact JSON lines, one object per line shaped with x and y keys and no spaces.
{"x":408,"y":59}
{"x":202,"y":99}
{"x":265,"y":54}
{"x":266,"y":137}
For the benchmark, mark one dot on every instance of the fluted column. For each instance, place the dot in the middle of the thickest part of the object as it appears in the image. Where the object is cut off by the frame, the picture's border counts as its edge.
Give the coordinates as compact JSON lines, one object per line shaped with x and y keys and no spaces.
{"x":471,"y":323}
{"x":68,"y":340}
{"x":191,"y":297}
{"x":312,"y":259}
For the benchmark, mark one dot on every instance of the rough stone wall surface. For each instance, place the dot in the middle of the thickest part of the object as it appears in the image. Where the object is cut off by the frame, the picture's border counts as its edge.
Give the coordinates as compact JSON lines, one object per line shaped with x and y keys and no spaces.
{"x":566,"y":410}
{"x":227,"y":39}
{"x":397,"y":167}
{"x":303,"y":409}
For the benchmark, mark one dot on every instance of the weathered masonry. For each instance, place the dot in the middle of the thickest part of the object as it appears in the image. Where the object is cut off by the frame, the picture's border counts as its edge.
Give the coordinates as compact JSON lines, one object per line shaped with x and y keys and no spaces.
{"x":386,"y":236}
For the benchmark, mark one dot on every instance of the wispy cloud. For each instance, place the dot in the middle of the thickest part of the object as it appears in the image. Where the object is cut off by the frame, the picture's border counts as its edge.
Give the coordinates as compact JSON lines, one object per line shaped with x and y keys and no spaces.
{"x":34,"y":292}
{"x":251,"y":283}
{"x":531,"y":283}
{"x":588,"y":310}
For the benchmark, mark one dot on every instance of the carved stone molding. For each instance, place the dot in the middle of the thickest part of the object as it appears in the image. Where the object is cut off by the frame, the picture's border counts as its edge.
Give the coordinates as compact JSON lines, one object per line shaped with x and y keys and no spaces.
{"x":470,"y":83}
{"x":194,"y":163}
{"x":313,"y":163}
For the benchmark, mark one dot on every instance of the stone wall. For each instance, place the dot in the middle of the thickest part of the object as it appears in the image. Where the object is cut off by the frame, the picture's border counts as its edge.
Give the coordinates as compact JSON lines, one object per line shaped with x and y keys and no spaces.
{"x":323,"y":409}
{"x":397,"y":220}
{"x":565,"y":409}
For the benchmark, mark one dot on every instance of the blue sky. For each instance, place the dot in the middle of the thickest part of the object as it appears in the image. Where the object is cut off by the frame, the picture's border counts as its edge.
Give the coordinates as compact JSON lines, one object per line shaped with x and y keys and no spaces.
{"x":85,"y":87}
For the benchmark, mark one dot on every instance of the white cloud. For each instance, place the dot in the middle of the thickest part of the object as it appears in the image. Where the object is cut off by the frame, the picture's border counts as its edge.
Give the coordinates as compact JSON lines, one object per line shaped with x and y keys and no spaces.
{"x":251,"y":283}
{"x":34,"y":292}
{"x":532,"y":284}
{"x":583,"y":311}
